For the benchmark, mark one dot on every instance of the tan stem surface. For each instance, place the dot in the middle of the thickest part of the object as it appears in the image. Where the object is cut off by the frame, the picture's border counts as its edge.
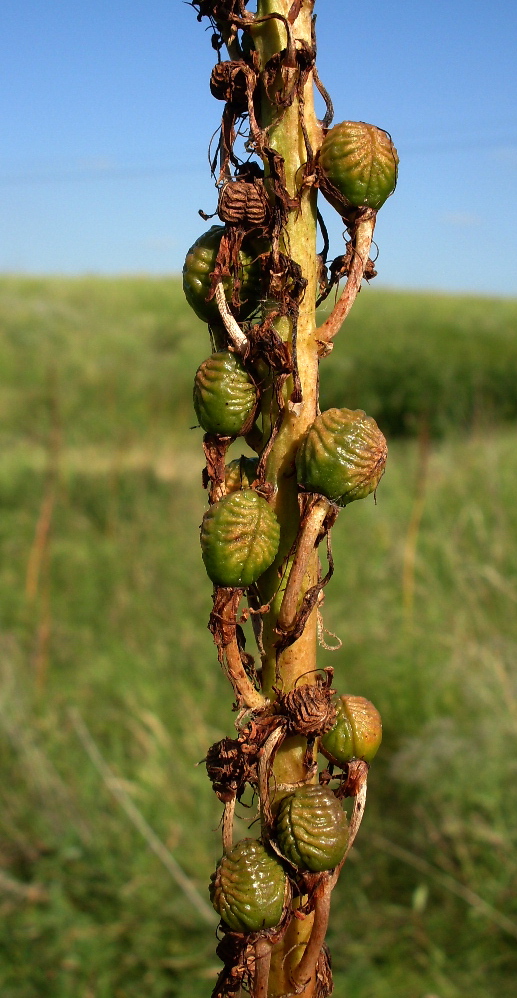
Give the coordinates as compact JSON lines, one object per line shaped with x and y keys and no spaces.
{"x":284,"y":134}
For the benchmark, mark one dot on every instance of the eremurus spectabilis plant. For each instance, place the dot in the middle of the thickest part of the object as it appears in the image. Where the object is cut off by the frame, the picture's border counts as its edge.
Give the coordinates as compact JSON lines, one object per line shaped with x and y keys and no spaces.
{"x":256,"y":280}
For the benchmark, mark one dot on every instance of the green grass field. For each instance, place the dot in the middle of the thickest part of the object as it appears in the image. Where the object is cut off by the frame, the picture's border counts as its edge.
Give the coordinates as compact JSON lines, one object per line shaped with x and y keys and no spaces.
{"x":103,"y":608}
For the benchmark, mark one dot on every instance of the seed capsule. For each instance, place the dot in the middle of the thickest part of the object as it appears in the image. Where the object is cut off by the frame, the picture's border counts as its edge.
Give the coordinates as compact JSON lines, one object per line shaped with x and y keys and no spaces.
{"x":359,"y":162}
{"x":240,"y":535}
{"x":312,"y":829}
{"x":248,"y":888}
{"x":343,"y":456}
{"x":199,"y":265}
{"x":356,"y":734}
{"x":241,"y":473}
{"x":225,"y":397}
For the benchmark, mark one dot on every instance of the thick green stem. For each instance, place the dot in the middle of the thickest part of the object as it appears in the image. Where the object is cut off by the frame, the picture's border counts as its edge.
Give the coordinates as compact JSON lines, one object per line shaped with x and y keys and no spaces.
{"x":285,"y":136}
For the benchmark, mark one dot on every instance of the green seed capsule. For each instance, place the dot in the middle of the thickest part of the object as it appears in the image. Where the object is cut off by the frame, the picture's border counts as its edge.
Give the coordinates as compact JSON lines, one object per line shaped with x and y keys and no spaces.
{"x":356,"y":734}
{"x":343,"y":456}
{"x":199,"y":265}
{"x":225,"y":397}
{"x":248,"y":888}
{"x":240,"y":535}
{"x":241,"y":473}
{"x":312,"y":829}
{"x":360,"y":162}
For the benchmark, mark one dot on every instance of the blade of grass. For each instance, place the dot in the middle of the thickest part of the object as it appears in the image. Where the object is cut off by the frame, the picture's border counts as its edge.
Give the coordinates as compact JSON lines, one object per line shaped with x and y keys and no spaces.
{"x":138,"y":820}
{"x":447,"y":882}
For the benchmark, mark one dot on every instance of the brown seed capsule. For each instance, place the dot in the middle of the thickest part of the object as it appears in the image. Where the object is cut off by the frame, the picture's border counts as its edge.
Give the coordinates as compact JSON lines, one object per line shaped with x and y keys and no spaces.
{"x":228,"y":83}
{"x":309,"y":710}
{"x":243,"y":202}
{"x":228,"y":768}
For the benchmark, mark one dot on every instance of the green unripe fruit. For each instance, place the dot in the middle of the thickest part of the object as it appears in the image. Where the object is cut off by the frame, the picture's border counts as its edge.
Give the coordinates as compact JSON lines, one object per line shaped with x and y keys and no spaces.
{"x":199,"y":265}
{"x":312,"y":829}
{"x":342,"y":456}
{"x":357,"y":733}
{"x":225,"y":397}
{"x":248,"y":888}
{"x":240,"y":535}
{"x":241,"y":473}
{"x":359,"y":162}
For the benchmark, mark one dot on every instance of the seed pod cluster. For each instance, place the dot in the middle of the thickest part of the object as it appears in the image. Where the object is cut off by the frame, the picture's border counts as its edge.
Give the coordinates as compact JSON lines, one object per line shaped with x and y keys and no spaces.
{"x":255,"y":385}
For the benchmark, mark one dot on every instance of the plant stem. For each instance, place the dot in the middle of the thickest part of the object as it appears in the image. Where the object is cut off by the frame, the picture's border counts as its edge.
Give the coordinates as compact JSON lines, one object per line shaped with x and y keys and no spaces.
{"x":285,"y":136}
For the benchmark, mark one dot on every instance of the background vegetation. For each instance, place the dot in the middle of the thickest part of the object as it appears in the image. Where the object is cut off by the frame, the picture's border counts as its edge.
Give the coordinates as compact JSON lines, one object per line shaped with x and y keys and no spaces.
{"x":103,"y":608}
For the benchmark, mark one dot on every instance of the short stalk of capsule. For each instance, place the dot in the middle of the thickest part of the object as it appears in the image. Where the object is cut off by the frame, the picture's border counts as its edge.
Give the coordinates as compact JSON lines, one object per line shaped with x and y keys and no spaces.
{"x":245,"y":692}
{"x":362,"y":245}
{"x":238,"y":338}
{"x":262,"y":965}
{"x":356,"y":817}
{"x":227,"y":825}
{"x":264,"y":770}
{"x":305,"y":971}
{"x":304,"y":549}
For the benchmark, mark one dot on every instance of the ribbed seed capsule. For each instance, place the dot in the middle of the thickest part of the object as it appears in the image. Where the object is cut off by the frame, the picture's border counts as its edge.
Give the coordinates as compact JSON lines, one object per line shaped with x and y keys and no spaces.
{"x":225,"y":397}
{"x":312,"y":828}
{"x":240,"y":473}
{"x":343,"y":456}
{"x":240,"y":535}
{"x":199,"y":265}
{"x":360,"y":163}
{"x":248,"y":888}
{"x":357,"y":733}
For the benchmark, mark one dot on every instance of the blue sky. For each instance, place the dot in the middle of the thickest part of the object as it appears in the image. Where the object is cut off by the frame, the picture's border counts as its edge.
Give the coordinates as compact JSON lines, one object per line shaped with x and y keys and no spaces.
{"x":106,"y":116}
